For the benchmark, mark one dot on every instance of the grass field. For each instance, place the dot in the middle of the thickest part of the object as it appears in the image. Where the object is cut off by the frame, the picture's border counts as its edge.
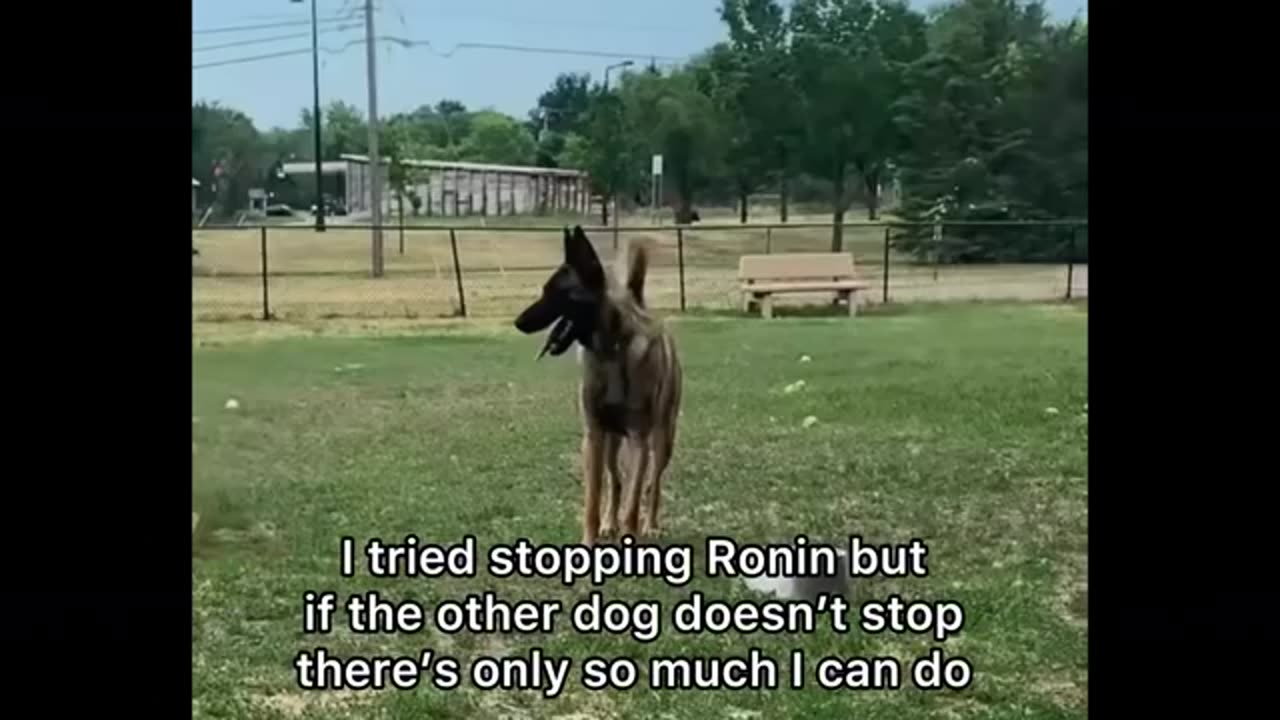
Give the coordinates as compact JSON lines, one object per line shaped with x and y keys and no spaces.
{"x":932,"y":423}
{"x":313,"y":276}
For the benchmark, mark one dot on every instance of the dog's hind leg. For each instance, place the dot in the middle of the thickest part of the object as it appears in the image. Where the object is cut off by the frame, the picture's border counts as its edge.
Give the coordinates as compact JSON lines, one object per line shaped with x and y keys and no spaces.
{"x":592,"y":470}
{"x":640,"y":469}
{"x":663,"y":443}
{"x":664,"y":439}
{"x":609,"y":523}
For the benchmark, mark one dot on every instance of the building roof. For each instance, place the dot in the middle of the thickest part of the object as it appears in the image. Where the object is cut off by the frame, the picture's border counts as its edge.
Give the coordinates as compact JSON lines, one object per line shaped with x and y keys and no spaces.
{"x":338,"y":167}
{"x":309,"y":166}
{"x":477,"y":167}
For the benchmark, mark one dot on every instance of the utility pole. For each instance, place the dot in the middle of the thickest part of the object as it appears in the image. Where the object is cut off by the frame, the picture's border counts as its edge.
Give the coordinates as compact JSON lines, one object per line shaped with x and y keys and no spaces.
{"x":613,"y":194}
{"x":315,"y":116}
{"x":375,"y":164}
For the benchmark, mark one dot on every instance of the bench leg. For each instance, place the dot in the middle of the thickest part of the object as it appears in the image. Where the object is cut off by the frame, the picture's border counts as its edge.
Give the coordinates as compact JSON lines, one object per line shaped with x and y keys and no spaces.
{"x":847,"y":296}
{"x":766,"y":307}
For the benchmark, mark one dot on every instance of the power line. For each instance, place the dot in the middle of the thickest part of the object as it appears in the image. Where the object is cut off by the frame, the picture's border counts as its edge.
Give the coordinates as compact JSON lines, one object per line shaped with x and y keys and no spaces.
{"x":282,"y":53}
{"x":250,"y":58}
{"x":524,"y":49}
{"x":268,"y":26}
{"x":426,"y":44}
{"x":271,"y":38}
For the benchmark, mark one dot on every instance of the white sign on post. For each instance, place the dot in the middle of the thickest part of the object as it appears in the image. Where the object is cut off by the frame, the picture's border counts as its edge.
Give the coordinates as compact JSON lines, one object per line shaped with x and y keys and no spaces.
{"x":656,"y":191}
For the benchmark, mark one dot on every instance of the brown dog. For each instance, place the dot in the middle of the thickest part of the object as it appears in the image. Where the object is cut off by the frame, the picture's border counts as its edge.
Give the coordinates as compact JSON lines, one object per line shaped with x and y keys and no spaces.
{"x":631,"y":380}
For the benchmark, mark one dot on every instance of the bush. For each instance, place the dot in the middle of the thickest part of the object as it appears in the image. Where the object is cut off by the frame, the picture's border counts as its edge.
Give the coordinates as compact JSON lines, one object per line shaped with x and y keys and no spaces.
{"x":991,"y":243}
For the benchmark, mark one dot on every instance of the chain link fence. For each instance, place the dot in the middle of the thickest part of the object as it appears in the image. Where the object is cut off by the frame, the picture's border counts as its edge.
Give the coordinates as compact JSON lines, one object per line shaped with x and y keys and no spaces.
{"x":294,"y":273}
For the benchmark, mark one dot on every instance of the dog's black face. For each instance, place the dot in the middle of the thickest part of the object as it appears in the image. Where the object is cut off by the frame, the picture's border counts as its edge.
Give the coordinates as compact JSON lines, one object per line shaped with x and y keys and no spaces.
{"x":571,"y":297}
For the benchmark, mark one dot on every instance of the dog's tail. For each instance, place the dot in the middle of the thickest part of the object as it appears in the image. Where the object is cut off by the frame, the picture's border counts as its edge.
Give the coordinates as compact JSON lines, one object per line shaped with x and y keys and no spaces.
{"x":637,"y":268}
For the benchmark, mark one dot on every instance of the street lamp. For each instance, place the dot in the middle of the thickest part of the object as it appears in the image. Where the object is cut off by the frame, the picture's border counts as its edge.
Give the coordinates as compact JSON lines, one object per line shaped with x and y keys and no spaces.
{"x":624,"y":63}
{"x":315,"y":116}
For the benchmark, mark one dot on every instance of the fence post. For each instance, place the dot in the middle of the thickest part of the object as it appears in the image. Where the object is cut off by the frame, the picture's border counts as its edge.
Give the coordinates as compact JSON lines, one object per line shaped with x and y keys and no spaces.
{"x":680,"y":256}
{"x":937,"y":246}
{"x":1071,"y":257}
{"x":768,"y":239}
{"x":266,"y":302}
{"x":457,"y":271}
{"x":884,"y":298}
{"x":615,"y":225}
{"x":400,"y":208}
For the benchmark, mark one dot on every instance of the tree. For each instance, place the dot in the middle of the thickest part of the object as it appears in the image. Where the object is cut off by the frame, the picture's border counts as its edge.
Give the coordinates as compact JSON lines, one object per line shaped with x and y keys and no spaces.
{"x":425,"y":129}
{"x":898,"y":36}
{"x":1049,"y":97}
{"x":766,"y":98}
{"x":560,"y":110}
{"x":577,"y":152}
{"x":421,"y":133}
{"x":497,"y":138}
{"x":997,"y":112}
{"x":725,"y":77}
{"x":605,"y":148}
{"x":672,"y":116}
{"x":850,"y":59}
{"x":343,"y":130}
{"x":225,"y":138}
{"x":437,"y":132}
{"x":453,"y":124}
{"x":288,"y":143}
{"x":400,"y":144}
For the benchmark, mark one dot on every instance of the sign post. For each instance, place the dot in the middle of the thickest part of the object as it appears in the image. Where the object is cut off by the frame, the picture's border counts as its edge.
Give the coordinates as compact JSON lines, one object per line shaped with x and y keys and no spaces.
{"x":656,"y":187}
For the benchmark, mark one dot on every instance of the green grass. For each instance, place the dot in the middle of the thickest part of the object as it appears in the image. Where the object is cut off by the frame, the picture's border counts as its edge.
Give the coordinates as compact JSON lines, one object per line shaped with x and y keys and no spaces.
{"x":932,"y":424}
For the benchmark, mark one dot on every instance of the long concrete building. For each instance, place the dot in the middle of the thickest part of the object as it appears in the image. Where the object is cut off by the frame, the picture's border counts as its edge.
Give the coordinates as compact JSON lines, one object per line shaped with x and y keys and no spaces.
{"x":451,"y":189}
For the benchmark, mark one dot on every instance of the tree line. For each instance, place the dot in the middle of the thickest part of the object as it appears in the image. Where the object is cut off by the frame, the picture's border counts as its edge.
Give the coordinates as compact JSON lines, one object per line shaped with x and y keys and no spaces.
{"x":975,"y":109}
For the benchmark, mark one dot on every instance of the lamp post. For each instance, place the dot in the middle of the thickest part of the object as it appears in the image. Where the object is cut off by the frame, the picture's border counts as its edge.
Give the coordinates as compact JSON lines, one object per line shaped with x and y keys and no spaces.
{"x":624,"y":63}
{"x":315,"y":116}
{"x":613,"y":196}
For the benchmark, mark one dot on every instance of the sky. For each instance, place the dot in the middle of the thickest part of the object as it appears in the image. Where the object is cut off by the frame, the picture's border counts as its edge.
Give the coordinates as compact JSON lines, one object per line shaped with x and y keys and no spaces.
{"x":273,"y":91}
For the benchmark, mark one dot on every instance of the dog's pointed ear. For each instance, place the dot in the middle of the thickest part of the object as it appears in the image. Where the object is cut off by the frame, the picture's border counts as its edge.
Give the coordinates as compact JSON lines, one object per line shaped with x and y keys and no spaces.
{"x":581,"y":256}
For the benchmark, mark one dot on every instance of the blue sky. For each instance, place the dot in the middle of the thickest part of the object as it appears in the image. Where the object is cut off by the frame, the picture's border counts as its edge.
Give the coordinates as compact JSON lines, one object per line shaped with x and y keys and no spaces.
{"x":273,"y":91}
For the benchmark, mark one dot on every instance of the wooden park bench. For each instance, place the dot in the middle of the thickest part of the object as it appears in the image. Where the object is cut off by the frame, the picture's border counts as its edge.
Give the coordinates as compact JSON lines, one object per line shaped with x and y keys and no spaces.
{"x":763,"y":276}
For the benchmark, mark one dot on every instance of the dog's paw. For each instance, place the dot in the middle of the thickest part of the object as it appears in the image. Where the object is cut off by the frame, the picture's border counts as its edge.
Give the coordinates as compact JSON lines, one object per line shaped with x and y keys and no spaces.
{"x":650,"y":532}
{"x":628,"y":522}
{"x":608,"y":532}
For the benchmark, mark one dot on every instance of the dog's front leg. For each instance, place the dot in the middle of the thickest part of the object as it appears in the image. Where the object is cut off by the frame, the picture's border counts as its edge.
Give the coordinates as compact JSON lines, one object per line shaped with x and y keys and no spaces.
{"x":612,"y":448}
{"x":592,"y":470}
{"x":639,"y":471}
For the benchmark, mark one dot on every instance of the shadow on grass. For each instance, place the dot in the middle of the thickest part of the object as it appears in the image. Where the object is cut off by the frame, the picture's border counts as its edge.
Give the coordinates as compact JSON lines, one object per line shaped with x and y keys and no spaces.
{"x":815,"y":310}
{"x":877,"y":309}
{"x":802,"y":311}
{"x":217,"y":510}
